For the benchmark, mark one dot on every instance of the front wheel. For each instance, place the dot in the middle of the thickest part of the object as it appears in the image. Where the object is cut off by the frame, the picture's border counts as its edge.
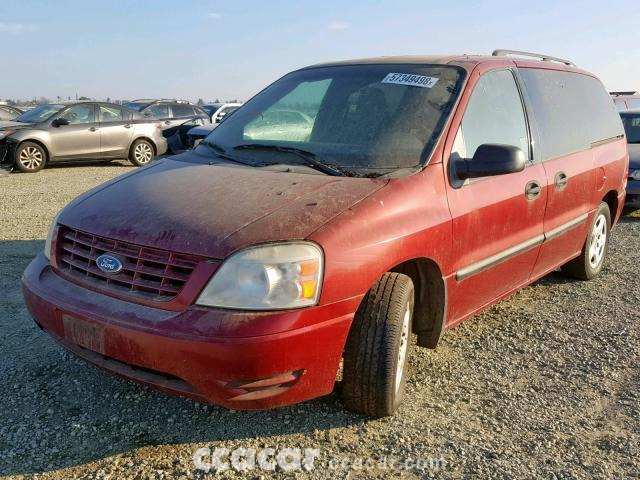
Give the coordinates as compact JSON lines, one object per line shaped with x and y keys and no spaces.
{"x":378,"y":346}
{"x":141,"y":153}
{"x":30,"y":157}
{"x":589,"y":264}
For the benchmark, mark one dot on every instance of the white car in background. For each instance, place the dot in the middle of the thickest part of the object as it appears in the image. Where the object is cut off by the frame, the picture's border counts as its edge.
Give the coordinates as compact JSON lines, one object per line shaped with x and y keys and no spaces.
{"x":289,"y":125}
{"x":217,"y":111}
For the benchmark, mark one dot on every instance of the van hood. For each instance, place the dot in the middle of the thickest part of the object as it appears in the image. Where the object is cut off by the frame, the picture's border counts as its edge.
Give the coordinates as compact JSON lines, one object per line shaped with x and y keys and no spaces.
{"x":634,"y":155}
{"x":213,"y":210}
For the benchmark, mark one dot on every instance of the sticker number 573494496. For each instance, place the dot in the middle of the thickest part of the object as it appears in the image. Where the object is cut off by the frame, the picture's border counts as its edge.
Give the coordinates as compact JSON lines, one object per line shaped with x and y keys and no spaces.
{"x":410,"y":79}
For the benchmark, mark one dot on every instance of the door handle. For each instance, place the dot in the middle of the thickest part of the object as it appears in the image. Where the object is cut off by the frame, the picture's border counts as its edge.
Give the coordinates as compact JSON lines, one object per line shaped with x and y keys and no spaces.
{"x":561,"y":179}
{"x":127,"y":125}
{"x":92,"y":129}
{"x":532,"y":190}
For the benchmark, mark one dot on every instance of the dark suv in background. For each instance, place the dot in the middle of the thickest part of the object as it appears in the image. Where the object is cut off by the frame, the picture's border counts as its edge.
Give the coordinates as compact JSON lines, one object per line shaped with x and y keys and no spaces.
{"x":626,"y":100}
{"x":631,"y":122}
{"x":177,"y":117}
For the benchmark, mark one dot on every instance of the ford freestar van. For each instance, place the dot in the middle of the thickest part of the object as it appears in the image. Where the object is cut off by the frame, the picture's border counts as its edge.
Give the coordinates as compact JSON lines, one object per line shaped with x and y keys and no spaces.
{"x":414,"y":193}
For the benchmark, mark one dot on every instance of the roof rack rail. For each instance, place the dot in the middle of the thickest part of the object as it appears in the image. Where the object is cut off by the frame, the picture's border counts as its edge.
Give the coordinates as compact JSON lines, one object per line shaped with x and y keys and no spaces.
{"x":544,"y":58}
{"x":627,"y":93}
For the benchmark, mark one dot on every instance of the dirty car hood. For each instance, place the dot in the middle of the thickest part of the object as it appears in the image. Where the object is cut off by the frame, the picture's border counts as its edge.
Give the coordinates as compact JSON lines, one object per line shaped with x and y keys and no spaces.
{"x":213,"y":210}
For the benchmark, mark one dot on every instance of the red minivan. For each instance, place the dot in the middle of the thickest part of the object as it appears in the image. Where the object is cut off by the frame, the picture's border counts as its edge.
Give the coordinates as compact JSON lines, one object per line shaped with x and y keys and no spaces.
{"x":344,"y":208}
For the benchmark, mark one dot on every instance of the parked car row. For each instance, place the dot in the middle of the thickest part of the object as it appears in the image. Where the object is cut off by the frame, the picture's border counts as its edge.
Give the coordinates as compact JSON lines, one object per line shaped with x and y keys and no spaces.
{"x":344,"y":208}
{"x":76,"y":131}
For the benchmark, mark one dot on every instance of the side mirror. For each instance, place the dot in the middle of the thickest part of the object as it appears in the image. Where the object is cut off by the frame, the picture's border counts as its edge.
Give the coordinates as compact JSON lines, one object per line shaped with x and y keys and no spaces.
{"x":59,"y":122}
{"x":491,"y":159}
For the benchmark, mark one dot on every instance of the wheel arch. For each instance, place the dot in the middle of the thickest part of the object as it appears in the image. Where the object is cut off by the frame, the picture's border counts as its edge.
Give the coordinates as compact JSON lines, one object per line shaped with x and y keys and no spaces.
{"x":430,"y":305}
{"x":44,"y":147}
{"x":611,"y":199}
{"x":144,"y":137}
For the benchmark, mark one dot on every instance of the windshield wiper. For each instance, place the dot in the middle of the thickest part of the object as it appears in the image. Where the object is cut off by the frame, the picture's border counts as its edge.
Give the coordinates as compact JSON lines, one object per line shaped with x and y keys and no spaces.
{"x":308,"y":157}
{"x":222,"y":153}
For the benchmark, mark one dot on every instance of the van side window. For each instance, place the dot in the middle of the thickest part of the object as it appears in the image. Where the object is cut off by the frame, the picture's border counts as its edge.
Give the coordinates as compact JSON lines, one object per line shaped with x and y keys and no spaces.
{"x":494,"y":114}
{"x":572,"y":111}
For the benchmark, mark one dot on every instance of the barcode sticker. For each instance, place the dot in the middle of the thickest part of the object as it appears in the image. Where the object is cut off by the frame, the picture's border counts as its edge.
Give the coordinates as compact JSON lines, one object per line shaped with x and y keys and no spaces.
{"x":410,"y":79}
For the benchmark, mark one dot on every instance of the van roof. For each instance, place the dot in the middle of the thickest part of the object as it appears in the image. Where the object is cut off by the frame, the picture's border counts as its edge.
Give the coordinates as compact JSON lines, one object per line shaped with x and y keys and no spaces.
{"x":506,"y":57}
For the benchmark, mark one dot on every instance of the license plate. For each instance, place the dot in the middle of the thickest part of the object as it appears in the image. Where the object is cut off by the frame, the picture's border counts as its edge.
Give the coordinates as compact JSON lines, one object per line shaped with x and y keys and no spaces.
{"x":83,"y":333}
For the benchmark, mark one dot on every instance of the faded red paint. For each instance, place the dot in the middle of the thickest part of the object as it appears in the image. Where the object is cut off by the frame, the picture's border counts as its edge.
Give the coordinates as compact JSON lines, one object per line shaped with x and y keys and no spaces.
{"x":366,"y":227}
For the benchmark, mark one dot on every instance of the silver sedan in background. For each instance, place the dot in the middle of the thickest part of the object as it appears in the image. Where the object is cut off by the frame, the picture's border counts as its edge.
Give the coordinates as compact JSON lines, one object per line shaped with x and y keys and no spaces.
{"x":73,"y":131}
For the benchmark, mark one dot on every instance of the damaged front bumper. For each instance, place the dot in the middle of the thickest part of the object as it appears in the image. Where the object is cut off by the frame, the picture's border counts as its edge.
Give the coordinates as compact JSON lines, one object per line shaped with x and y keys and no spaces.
{"x":7,"y":155}
{"x":240,"y":360}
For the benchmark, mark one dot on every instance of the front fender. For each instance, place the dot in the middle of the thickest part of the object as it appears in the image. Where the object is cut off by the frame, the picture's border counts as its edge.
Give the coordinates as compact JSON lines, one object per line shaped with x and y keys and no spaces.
{"x":31,"y":135}
{"x":407,"y":219}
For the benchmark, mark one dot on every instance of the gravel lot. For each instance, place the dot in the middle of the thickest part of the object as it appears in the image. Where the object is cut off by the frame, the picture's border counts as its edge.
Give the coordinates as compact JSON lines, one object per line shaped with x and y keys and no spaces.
{"x":544,"y":385}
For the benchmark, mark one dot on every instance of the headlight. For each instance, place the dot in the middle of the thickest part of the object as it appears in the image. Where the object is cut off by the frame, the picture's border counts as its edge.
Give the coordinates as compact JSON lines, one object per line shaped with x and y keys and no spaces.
{"x":267,"y":277}
{"x":50,"y":236}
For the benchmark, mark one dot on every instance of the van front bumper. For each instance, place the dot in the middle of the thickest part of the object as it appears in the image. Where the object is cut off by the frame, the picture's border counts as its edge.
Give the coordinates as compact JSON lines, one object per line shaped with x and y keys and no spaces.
{"x":240,"y":360}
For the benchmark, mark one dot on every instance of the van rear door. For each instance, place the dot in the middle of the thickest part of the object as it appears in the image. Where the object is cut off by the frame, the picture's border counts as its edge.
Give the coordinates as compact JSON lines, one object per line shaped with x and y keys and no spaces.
{"x":571,"y":115}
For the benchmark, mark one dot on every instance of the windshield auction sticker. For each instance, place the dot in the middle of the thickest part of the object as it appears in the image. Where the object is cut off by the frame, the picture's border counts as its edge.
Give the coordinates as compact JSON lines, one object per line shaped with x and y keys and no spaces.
{"x":410,"y":80}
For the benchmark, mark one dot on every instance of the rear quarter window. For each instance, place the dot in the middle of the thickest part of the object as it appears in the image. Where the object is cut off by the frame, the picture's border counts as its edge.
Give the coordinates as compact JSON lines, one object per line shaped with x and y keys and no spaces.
{"x":572,"y":111}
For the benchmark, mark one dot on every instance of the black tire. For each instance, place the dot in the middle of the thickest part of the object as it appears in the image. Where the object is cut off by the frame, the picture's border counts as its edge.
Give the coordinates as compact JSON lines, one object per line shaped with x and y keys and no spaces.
{"x":371,"y":356}
{"x":30,"y":157}
{"x":589,"y":264}
{"x":629,"y":210}
{"x":141,"y":153}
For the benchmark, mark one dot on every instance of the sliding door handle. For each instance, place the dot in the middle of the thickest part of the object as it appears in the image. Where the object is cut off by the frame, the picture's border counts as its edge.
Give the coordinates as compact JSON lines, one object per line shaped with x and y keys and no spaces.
{"x":561,"y":179}
{"x":532,"y":190}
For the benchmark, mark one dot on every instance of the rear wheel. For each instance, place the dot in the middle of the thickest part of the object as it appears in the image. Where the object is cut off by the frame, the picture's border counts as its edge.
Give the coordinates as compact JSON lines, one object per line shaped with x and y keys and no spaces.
{"x":378,"y":347}
{"x":141,"y":153}
{"x":589,"y":264}
{"x":30,"y":157}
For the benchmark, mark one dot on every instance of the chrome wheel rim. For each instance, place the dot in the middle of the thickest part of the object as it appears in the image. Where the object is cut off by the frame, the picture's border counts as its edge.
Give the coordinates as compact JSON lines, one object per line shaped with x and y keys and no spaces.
{"x":404,"y":345}
{"x":31,"y":158}
{"x":598,"y":241}
{"x":143,"y":153}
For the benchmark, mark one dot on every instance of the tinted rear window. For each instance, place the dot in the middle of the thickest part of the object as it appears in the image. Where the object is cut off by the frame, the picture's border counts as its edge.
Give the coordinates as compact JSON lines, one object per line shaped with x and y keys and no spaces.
{"x":181,"y":110}
{"x":572,"y":111}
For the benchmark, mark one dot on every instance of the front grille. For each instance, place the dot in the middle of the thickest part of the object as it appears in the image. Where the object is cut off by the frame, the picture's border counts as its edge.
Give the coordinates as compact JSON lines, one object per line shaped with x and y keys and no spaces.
{"x":147,"y":273}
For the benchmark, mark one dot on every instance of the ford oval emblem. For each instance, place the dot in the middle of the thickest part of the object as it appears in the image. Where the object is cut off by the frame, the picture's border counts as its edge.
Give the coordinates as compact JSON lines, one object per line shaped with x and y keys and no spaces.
{"x":109,"y":264}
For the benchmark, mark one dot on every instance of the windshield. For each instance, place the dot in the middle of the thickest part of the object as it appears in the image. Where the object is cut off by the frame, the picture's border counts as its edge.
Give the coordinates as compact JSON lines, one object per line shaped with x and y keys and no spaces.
{"x":135,"y":105}
{"x":39,"y":114}
{"x":631,"y":124}
{"x":367,"y":119}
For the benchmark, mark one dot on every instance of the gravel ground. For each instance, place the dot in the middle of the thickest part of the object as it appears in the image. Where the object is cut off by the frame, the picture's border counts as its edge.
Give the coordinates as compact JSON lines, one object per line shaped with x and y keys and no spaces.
{"x":543,"y":385}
